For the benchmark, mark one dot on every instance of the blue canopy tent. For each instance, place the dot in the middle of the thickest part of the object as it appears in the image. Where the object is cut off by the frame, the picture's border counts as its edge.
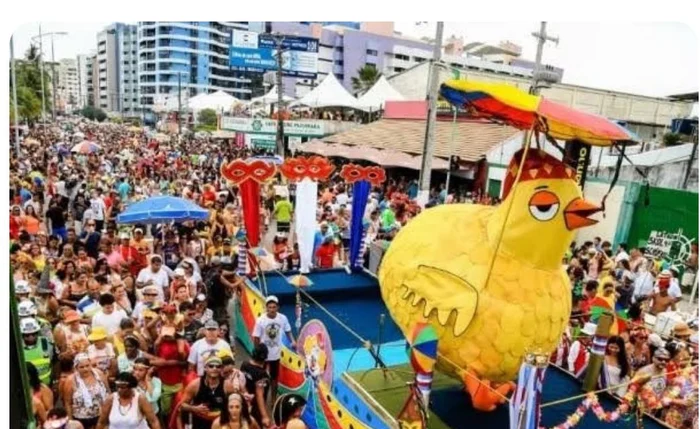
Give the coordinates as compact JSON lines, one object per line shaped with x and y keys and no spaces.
{"x":162,"y":209}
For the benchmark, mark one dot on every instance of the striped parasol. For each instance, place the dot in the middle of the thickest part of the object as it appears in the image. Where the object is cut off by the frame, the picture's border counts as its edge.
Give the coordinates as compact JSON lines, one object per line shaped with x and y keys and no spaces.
{"x":300,"y":281}
{"x":86,"y":147}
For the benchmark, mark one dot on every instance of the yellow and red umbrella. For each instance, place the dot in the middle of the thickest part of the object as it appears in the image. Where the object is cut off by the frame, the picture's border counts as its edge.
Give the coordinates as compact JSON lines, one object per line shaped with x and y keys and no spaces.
{"x":507,"y":104}
{"x":300,"y":281}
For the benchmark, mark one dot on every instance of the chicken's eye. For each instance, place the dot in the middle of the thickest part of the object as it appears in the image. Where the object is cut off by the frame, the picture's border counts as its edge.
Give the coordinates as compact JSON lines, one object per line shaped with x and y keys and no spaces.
{"x":544,"y":205}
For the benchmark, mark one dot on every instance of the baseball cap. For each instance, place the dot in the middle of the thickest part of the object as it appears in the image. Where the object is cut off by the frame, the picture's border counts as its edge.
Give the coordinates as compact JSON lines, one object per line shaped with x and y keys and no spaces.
{"x":124,"y":236}
{"x":98,"y":333}
{"x":271,"y":298}
{"x":179,"y":272}
{"x":201,"y":297}
{"x":211,"y":324}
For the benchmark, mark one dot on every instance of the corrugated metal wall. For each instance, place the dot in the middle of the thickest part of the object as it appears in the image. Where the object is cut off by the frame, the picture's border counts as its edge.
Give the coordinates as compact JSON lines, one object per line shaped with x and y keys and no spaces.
{"x":668,"y":210}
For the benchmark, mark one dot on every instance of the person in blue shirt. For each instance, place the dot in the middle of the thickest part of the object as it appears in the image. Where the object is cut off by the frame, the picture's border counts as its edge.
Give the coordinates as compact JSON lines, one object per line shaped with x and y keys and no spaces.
{"x":124,"y":188}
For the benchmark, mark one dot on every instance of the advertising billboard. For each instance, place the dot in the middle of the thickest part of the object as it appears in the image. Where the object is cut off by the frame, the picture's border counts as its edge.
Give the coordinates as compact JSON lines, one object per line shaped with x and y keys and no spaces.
{"x":252,"y":51}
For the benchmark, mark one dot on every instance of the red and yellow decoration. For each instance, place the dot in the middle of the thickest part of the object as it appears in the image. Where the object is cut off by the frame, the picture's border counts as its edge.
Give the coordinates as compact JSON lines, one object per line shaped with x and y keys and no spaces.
{"x":507,"y":104}
{"x":316,"y":168}
{"x":354,"y":173}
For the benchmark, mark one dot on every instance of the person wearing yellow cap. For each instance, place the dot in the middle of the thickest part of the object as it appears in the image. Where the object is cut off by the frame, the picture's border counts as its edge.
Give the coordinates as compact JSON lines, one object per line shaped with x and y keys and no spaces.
{"x":101,"y":352}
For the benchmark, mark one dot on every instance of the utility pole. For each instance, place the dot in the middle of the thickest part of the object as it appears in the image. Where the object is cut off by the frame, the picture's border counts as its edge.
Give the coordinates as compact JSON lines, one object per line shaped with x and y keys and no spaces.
{"x":53,"y":80}
{"x":542,"y":37}
{"x":179,"y":104}
{"x":14,"y":93}
{"x":53,"y":71}
{"x":41,"y":72}
{"x":431,"y":97}
{"x":279,"y":39}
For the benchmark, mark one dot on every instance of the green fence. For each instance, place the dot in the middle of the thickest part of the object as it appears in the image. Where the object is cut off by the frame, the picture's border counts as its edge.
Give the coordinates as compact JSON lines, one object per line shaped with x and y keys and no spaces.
{"x":668,"y":210}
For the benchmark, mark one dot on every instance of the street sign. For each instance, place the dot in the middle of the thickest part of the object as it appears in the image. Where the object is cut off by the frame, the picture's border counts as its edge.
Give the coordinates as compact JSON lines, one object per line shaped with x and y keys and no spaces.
{"x":251,"y":51}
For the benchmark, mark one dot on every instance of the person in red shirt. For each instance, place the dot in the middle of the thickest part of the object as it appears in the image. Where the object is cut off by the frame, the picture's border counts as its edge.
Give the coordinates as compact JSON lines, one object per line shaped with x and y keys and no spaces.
{"x":325,"y":253}
{"x":208,"y":195}
{"x":15,"y":222}
{"x":131,"y":256}
{"x":589,"y":293}
{"x":171,"y":369}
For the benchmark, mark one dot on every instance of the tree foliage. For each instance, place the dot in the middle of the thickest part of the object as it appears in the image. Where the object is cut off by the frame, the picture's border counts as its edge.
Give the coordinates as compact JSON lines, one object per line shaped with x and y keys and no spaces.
{"x":29,"y":89}
{"x":93,"y":113}
{"x":367,"y":76}
{"x":207,"y":117}
{"x":672,"y":139}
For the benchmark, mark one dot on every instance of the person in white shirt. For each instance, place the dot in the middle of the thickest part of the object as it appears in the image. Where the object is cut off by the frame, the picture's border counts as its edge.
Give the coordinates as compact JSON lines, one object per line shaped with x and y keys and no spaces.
{"x":150,"y":296}
{"x":206,"y":347}
{"x":342,"y":197}
{"x":99,"y":209}
{"x":643,"y":283}
{"x":154,"y":275}
{"x":108,"y":317}
{"x":268,"y":330}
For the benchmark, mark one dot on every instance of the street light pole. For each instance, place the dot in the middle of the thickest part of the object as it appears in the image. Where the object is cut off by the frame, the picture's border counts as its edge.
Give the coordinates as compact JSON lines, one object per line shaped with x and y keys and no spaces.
{"x":41,"y":72}
{"x":431,"y":97}
{"x":14,"y":93}
{"x":53,"y":80}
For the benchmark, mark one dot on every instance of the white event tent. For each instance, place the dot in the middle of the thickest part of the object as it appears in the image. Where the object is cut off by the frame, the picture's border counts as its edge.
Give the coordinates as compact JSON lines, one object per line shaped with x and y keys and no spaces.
{"x":329,"y":93}
{"x":218,"y":101}
{"x":378,"y":95}
{"x":270,"y":97}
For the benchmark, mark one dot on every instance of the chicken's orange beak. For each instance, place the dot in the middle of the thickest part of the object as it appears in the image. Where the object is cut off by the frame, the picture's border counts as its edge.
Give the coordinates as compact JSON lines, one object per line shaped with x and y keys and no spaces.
{"x":576,"y":214}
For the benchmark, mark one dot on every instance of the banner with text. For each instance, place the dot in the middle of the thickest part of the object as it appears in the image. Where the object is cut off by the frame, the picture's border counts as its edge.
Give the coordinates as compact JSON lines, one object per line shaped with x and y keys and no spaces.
{"x":251,"y":51}
{"x":269,"y":126}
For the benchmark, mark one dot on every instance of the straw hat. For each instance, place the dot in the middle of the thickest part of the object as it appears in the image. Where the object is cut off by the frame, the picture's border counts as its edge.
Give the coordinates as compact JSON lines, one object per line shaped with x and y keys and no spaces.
{"x":682,"y":329}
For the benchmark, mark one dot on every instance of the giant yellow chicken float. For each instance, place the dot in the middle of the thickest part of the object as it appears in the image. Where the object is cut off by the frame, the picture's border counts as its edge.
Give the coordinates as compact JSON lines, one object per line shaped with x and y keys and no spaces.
{"x":490,"y":279}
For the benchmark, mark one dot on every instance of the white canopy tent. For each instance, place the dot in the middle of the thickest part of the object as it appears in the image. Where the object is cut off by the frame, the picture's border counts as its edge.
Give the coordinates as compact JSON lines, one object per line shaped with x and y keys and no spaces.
{"x":271,"y":97}
{"x":218,"y":101}
{"x":329,"y":93}
{"x":378,"y":95}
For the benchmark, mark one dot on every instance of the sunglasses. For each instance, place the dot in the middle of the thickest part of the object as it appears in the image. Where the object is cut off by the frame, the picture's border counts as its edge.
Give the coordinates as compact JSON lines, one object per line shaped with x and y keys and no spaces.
{"x":150,"y":294}
{"x":213,"y":366}
{"x":122,"y":385}
{"x":661,"y":359}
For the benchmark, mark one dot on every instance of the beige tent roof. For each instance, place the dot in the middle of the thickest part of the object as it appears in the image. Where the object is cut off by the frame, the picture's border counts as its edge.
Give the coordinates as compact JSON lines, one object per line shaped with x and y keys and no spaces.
{"x":471,"y":142}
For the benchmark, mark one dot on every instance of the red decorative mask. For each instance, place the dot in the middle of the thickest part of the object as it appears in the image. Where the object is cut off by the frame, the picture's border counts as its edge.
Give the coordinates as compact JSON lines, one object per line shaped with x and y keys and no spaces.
{"x":353,"y":173}
{"x":315,"y":168}
{"x":238,"y":171}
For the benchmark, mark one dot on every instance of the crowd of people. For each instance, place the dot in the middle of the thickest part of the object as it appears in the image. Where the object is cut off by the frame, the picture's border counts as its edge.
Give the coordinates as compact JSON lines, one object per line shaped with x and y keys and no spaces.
{"x":131,"y":326}
{"x":633,"y":286}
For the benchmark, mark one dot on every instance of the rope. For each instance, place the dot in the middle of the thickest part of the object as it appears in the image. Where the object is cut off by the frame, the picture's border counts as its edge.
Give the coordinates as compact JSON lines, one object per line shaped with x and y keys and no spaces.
{"x":526,"y":143}
{"x":364,"y":342}
{"x":607,"y":389}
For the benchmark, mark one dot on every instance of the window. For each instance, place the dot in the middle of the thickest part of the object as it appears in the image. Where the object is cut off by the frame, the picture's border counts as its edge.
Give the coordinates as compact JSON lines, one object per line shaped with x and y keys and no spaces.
{"x":339,"y":49}
{"x":402,"y":57}
{"x":338,"y":62}
{"x":340,"y":76}
{"x":418,"y":59}
{"x":398,"y":69}
{"x":372,"y":52}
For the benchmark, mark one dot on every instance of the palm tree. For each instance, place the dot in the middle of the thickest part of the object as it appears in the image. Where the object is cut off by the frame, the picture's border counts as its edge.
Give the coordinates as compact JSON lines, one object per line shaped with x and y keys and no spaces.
{"x":366,"y":77}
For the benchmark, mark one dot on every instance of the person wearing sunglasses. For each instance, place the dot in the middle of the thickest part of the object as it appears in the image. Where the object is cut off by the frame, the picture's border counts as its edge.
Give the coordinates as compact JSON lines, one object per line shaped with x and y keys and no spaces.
{"x":205,"y":398}
{"x":127,"y":408}
{"x":654,"y":374}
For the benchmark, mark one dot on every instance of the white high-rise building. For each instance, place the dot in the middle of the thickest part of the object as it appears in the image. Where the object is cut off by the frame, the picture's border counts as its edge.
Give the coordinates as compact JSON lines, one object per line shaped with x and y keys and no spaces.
{"x":84,"y":71}
{"x":116,"y":87}
{"x":67,"y":88}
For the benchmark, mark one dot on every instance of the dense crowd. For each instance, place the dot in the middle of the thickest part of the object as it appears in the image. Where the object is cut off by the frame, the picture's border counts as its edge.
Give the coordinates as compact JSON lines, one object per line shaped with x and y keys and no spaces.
{"x":642,"y":293}
{"x":132,"y":326}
